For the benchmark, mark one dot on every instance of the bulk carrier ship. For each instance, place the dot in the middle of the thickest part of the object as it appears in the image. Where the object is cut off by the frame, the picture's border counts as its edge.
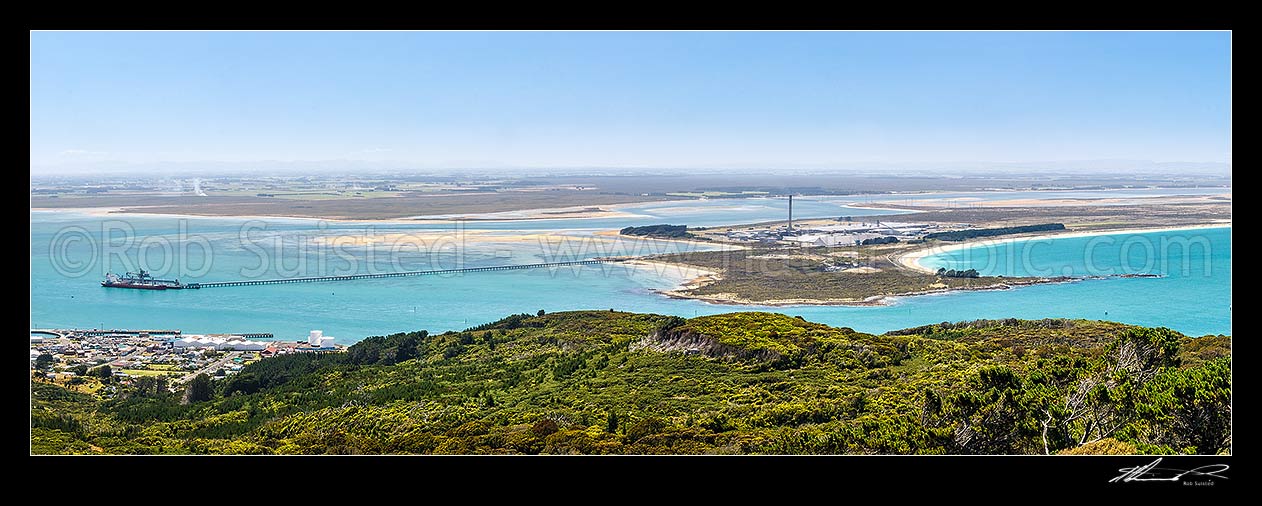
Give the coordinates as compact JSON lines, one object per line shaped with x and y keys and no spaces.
{"x":142,"y":281}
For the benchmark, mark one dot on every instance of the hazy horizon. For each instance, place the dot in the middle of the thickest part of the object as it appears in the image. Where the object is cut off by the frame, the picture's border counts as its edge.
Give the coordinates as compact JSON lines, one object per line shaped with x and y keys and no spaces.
{"x":289,"y":167}
{"x":175,"y":101}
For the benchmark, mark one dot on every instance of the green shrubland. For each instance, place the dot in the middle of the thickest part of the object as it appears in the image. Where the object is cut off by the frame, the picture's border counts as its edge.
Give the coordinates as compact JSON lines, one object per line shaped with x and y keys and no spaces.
{"x":604,"y":382}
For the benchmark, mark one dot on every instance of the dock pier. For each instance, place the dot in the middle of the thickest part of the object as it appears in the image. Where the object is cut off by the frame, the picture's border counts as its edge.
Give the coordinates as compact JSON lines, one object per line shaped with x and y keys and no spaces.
{"x":350,"y":277}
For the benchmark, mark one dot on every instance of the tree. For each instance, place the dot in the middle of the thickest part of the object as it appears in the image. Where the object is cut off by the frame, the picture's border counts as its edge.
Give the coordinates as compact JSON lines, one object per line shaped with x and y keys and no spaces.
{"x":104,"y":372}
{"x":406,"y":349}
{"x":246,"y":383}
{"x":540,"y":313}
{"x":952,"y":273}
{"x":611,"y":423}
{"x":1144,"y":350}
{"x":1194,"y":403}
{"x":992,"y":414}
{"x":645,"y":427}
{"x":81,"y":369}
{"x":149,"y":386}
{"x":199,"y":390}
{"x":543,"y":428}
{"x":367,"y":351}
{"x":44,"y":361}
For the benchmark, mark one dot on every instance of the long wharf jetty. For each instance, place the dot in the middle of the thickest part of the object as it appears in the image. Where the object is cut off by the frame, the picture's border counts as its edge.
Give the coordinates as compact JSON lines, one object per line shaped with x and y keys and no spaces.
{"x":351,"y":277}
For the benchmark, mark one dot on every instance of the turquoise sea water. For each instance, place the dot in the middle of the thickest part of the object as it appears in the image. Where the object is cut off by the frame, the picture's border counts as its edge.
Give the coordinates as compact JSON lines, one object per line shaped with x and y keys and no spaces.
{"x":70,"y":253}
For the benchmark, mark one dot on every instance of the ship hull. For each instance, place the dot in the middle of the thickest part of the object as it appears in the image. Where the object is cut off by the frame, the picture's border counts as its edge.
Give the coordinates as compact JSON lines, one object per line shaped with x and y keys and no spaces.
{"x":137,"y":287}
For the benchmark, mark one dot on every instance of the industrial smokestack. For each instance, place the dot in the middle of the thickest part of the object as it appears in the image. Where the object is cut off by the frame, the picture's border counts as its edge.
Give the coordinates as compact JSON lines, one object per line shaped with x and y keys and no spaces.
{"x":790,"y":213}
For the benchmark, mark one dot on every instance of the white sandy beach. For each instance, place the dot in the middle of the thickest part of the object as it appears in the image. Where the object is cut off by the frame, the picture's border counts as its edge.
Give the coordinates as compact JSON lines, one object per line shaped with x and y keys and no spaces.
{"x":689,"y":276}
{"x":911,"y":259}
{"x":89,"y":211}
{"x":556,"y":213}
{"x":540,"y":214}
{"x":547,"y":213}
{"x":121,"y":213}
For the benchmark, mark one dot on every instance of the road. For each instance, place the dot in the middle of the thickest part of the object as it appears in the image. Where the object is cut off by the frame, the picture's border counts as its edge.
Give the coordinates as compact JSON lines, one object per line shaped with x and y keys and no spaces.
{"x":210,"y":368}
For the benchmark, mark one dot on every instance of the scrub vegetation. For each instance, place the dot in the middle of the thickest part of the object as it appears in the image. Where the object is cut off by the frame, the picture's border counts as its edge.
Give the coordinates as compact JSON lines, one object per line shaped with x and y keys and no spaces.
{"x":604,"y":382}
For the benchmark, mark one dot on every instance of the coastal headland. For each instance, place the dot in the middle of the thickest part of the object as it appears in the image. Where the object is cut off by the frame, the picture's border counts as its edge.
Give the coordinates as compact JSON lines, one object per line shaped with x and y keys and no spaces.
{"x":779,"y":273}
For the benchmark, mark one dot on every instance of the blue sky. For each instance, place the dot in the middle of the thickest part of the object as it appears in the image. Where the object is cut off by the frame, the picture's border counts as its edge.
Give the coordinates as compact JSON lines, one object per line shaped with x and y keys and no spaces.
{"x":656,"y":99}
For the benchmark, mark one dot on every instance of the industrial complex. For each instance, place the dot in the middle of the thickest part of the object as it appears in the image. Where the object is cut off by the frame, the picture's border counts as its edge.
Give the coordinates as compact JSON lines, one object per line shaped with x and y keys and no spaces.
{"x":843,"y":231}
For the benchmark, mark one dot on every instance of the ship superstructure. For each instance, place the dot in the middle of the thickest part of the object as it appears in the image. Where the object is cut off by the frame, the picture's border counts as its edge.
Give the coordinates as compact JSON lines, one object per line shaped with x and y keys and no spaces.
{"x":141,"y":280}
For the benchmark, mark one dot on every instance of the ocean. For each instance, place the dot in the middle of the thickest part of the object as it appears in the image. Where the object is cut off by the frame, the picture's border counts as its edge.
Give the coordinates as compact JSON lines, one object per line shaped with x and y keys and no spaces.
{"x":70,"y":253}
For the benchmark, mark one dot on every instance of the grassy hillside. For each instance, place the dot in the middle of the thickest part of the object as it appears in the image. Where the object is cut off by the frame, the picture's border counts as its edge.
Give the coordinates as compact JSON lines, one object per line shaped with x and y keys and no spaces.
{"x":611,"y":382}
